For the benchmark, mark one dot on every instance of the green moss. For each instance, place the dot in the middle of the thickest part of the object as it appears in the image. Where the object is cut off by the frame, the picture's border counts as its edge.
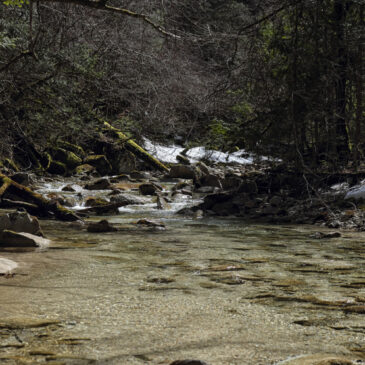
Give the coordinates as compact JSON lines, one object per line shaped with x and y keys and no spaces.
{"x":135,"y":148}
{"x":77,"y":150}
{"x":46,"y":160}
{"x":100,"y":162}
{"x":70,"y":159}
{"x":10,"y":164}
{"x":84,"y":169}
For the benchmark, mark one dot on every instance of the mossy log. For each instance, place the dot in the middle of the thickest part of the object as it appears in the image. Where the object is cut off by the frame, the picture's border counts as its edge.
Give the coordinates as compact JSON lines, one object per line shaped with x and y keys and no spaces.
{"x":46,"y":206}
{"x":136,"y":149}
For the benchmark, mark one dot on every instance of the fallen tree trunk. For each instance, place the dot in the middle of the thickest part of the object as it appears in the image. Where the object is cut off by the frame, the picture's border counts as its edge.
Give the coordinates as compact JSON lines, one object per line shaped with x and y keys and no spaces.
{"x":133,"y":147}
{"x":45,"y":206}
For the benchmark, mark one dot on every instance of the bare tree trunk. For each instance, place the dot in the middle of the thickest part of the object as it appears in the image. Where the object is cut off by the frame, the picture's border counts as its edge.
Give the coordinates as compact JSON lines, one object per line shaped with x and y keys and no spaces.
{"x":342,"y":139}
{"x":359,"y":94}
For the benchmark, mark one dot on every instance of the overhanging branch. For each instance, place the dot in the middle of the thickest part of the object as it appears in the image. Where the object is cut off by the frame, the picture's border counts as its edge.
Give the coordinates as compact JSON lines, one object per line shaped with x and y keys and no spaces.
{"x":102,"y":5}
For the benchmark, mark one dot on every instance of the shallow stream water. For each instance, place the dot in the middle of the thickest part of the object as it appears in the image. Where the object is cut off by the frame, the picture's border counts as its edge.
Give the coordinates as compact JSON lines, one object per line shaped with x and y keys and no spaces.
{"x":220,"y":290}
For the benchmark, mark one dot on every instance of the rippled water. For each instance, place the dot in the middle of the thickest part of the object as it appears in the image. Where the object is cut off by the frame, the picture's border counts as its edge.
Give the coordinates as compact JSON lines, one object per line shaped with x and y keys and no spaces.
{"x":220,"y":290}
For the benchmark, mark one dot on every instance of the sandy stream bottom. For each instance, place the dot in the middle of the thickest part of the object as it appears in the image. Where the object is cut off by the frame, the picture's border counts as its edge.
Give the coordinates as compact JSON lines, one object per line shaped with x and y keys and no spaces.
{"x":202,"y":291}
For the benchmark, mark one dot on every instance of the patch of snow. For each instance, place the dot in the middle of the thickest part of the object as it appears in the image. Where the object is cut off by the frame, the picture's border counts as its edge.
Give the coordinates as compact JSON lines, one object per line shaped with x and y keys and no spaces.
{"x":357,"y":192}
{"x":340,"y":187}
{"x":6,"y":266}
{"x":168,"y":154}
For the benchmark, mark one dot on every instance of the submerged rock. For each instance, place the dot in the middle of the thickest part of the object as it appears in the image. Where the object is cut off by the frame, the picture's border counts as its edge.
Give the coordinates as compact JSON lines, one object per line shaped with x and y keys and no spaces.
{"x":188,"y":362}
{"x":150,"y":223}
{"x":21,"y":239}
{"x":100,"y":227}
{"x":20,"y":222}
{"x":318,"y":359}
{"x":320,"y":235}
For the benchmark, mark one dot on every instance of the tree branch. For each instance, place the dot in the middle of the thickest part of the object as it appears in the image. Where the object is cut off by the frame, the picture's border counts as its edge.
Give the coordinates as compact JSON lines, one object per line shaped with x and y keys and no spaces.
{"x":15,"y":59}
{"x":268,"y":16}
{"x":102,"y":5}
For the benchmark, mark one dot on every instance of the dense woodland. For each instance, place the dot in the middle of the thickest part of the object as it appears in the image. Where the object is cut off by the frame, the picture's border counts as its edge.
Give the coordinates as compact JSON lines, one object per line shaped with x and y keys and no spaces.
{"x":281,"y":78}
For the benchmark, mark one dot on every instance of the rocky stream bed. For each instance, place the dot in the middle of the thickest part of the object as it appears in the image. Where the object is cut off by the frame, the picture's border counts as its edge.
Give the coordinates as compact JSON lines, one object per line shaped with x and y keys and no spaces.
{"x":151,"y":286}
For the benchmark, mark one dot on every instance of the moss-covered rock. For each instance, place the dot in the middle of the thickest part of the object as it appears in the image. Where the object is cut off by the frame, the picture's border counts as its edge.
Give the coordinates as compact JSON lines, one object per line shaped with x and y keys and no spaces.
{"x":183,"y":159}
{"x":100,"y":162}
{"x":95,"y":202}
{"x":57,"y":168}
{"x":84,"y":169}
{"x":70,"y":159}
{"x":135,"y":148}
{"x":46,"y":160}
{"x":77,"y":150}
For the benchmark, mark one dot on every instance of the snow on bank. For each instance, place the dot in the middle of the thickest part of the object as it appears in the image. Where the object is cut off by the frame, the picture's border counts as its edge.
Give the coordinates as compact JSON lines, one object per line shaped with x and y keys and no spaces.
{"x":356,"y":192}
{"x":168,"y":154}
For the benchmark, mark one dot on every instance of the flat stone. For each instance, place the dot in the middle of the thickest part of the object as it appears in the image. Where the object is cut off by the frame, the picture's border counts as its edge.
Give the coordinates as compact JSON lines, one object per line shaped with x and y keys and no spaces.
{"x":21,"y":239}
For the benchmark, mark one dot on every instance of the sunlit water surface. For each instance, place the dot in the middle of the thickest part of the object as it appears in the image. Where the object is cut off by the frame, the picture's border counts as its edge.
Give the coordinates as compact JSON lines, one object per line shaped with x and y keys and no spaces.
{"x":220,"y":290}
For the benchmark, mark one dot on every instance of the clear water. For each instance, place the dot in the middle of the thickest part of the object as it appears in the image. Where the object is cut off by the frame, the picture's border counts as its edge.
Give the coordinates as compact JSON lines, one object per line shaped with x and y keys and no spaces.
{"x":220,"y":290}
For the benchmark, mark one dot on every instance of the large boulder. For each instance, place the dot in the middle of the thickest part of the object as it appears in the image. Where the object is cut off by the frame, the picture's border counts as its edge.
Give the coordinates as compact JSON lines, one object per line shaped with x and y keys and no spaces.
{"x":21,"y":239}
{"x":149,"y":189}
{"x":248,"y":186}
{"x":182,"y":171}
{"x":23,"y":178}
{"x":85,"y":169}
{"x":211,"y":180}
{"x":100,"y":184}
{"x":100,"y":162}
{"x":57,"y":168}
{"x":70,"y":159}
{"x":127,"y":162}
{"x":20,"y":222}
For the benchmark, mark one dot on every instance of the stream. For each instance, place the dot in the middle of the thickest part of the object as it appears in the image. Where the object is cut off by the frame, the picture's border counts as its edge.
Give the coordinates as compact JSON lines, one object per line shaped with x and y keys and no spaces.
{"x":220,"y":290}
